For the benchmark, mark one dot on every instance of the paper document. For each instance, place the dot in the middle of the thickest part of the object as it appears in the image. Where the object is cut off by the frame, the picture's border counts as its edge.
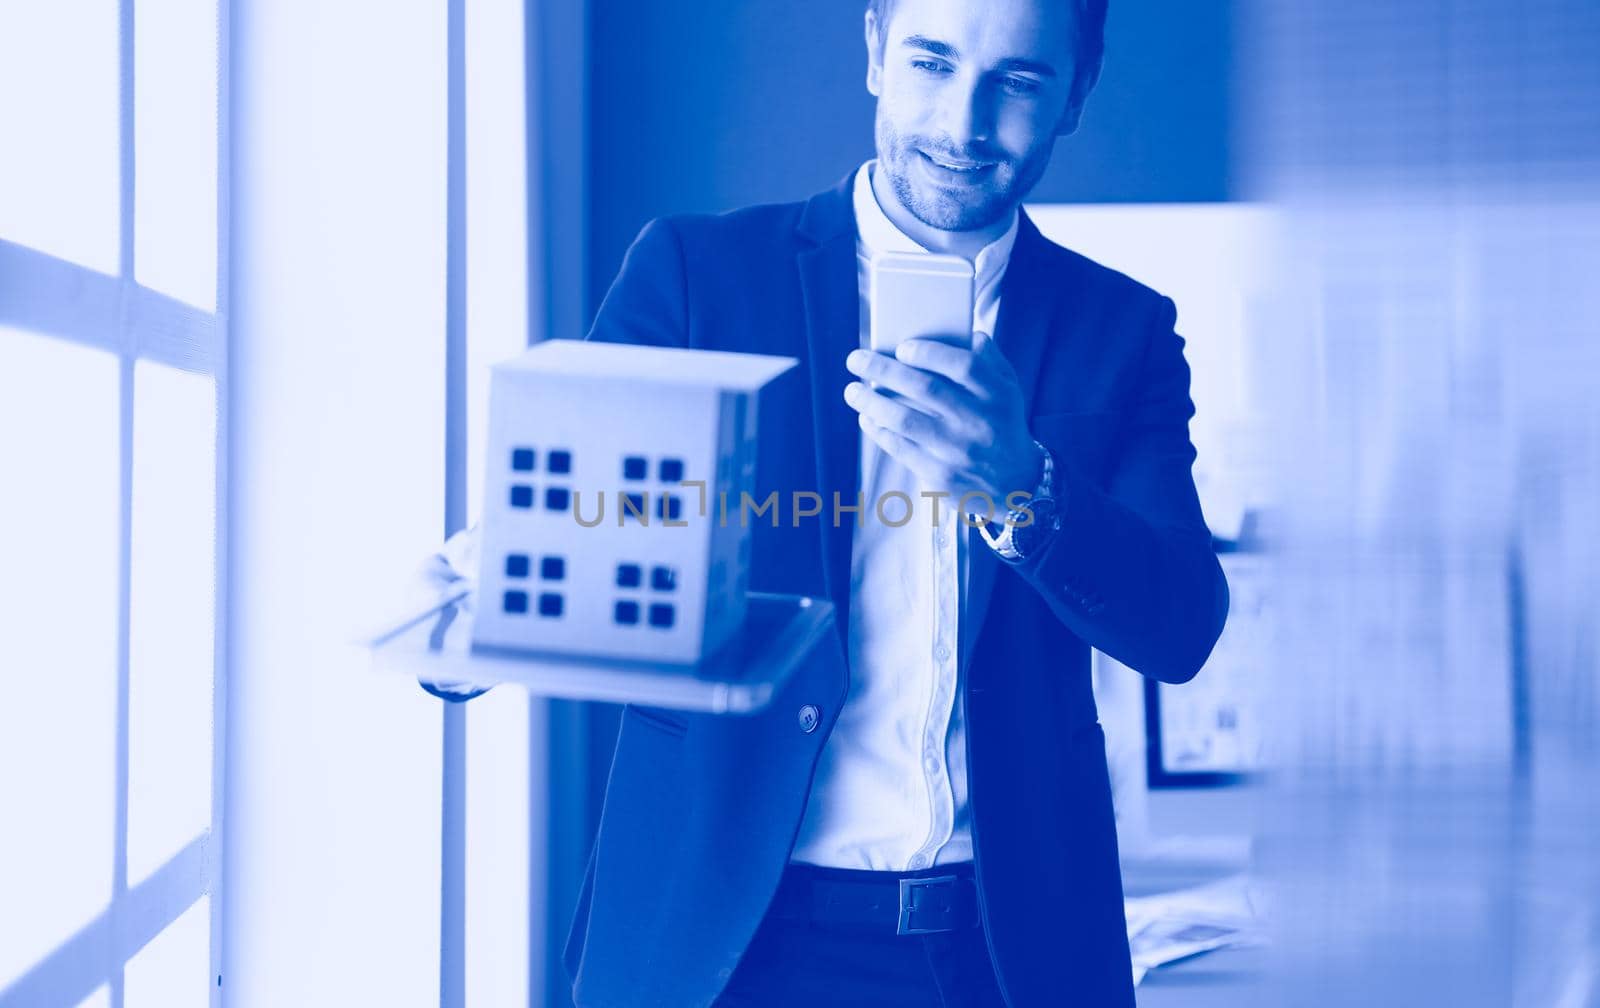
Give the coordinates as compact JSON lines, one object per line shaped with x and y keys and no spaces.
{"x":1167,"y":927}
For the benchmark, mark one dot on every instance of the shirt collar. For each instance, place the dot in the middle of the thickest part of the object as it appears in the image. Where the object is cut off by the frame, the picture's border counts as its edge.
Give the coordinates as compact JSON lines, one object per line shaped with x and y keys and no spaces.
{"x":877,"y":233}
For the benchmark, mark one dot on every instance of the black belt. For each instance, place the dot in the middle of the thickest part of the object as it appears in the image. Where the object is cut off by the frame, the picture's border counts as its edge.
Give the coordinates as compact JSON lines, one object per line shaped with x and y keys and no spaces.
{"x":928,"y":902}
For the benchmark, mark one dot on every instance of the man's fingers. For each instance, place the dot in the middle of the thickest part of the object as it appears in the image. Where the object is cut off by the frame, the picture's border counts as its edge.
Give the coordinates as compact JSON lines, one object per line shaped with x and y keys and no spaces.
{"x":930,"y":392}
{"x":896,"y":414}
{"x":958,"y":365}
{"x":904,"y":450}
{"x":930,"y":434}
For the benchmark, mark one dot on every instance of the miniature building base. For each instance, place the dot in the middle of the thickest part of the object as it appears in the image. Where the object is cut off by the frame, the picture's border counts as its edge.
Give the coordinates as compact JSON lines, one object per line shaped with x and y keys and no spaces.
{"x":777,"y":635}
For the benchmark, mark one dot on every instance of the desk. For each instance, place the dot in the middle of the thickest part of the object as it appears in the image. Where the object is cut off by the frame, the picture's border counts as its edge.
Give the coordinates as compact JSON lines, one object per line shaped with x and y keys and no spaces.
{"x":1226,"y":978}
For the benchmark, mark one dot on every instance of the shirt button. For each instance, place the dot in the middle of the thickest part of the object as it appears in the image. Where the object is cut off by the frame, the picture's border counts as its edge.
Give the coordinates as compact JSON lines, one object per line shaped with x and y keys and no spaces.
{"x":942,"y":539}
{"x":810,"y":717}
{"x":941,"y":652}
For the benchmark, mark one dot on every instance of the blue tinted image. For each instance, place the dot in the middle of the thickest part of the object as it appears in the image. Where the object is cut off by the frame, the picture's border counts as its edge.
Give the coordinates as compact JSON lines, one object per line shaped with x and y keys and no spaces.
{"x":1092,"y":502}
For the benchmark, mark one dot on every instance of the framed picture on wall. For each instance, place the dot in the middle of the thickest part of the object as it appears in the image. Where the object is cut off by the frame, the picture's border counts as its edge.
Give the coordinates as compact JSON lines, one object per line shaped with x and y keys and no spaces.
{"x":1207,"y":732}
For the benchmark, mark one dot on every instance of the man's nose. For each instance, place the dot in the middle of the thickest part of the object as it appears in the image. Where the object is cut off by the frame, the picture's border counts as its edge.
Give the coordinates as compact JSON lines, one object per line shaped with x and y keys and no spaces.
{"x":968,"y":115}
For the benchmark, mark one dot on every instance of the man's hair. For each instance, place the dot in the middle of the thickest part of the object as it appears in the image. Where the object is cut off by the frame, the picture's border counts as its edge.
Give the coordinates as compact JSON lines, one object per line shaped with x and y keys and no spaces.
{"x":1091,"y":41}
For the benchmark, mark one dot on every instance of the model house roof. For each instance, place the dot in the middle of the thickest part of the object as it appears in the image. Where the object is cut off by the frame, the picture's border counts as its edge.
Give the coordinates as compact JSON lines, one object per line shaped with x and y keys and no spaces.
{"x":733,"y":372}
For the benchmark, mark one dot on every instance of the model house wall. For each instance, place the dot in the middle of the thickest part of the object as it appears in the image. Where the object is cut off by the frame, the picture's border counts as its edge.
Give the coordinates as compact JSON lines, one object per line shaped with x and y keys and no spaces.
{"x":602,"y":531}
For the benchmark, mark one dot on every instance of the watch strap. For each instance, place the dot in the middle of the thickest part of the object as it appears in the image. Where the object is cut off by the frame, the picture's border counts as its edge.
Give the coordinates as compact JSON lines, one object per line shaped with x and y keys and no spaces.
{"x":1005,"y":543}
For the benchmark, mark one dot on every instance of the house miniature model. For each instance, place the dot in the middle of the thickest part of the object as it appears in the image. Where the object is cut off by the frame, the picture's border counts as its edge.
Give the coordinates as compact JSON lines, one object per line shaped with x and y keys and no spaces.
{"x":593,"y":543}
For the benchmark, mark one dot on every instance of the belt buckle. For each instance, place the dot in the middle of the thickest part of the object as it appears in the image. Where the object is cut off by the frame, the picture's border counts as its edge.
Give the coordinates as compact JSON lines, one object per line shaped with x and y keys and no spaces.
{"x":922,"y":898}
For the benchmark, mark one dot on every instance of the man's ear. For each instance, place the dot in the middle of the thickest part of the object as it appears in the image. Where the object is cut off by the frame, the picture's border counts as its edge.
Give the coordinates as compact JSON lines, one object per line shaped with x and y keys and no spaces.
{"x":1072,"y":115}
{"x":874,"y":37}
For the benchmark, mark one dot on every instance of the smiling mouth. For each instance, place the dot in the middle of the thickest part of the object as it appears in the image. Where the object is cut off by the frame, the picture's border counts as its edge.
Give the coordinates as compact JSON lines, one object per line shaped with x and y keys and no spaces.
{"x":960,"y":167}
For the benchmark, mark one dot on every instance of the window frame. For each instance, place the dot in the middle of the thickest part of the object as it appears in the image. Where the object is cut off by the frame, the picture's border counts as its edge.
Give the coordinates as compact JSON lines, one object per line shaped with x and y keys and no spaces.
{"x":58,"y":299}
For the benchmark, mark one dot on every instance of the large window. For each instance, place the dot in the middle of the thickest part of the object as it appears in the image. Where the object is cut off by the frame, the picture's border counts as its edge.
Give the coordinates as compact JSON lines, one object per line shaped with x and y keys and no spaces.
{"x":112,"y":372}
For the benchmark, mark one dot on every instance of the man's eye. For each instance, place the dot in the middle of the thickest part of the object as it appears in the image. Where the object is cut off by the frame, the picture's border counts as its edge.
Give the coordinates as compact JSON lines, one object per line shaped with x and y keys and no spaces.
{"x":929,"y":66}
{"x":1022,"y":85}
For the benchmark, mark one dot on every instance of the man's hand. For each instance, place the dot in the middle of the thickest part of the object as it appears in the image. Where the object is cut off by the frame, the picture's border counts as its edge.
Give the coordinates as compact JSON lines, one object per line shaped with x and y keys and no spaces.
{"x":958,"y":423}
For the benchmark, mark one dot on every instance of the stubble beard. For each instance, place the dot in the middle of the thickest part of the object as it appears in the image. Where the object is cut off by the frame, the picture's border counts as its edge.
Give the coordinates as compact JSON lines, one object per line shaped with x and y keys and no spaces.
{"x":944,"y":211}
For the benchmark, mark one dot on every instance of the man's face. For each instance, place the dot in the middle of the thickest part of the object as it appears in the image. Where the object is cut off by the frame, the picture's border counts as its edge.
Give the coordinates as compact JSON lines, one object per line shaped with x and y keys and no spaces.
{"x":971,"y":96}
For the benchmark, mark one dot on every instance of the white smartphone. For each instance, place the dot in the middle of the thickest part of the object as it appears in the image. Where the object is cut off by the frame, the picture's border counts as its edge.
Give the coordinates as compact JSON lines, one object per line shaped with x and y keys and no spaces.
{"x":916,"y":294}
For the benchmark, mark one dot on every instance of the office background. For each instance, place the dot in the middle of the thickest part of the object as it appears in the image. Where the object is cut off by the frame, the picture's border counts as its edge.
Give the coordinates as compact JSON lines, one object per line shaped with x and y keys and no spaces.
{"x":254,"y":259}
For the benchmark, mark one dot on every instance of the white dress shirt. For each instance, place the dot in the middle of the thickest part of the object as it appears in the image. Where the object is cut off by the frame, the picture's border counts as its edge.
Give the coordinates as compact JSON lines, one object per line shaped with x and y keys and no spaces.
{"x":890,"y":792}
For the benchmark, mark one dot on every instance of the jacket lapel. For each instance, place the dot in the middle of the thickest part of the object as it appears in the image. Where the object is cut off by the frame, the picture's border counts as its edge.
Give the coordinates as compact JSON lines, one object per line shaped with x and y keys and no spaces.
{"x":1028,"y":299}
{"x":828,"y":284}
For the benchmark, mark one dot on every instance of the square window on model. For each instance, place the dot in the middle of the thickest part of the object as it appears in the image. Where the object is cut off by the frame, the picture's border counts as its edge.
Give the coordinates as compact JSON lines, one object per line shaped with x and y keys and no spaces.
{"x":672,"y":470}
{"x":522,"y":459}
{"x":558,"y":462}
{"x":557,"y":498}
{"x":661,"y":615}
{"x":521,"y":496}
{"x":635,"y":467}
{"x":552,"y":568}
{"x":517,"y":565}
{"x":516,"y":602}
{"x":663,"y":578}
{"x":669,"y":507}
{"x":549,"y":604}
{"x":629,"y":575}
{"x":635,"y":507}
{"x":626,"y":612}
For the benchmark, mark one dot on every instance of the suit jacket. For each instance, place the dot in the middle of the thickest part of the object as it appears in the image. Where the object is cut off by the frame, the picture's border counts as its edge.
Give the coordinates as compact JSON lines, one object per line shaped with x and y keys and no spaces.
{"x":701,"y":811}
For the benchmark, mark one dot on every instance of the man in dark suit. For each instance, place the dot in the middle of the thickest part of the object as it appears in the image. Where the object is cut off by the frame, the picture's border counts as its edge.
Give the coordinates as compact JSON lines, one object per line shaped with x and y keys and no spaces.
{"x":923,"y":815}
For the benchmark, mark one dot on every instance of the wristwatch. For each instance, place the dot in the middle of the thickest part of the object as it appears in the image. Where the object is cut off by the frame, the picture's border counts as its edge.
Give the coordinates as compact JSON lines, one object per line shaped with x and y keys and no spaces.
{"x":1024,"y":530}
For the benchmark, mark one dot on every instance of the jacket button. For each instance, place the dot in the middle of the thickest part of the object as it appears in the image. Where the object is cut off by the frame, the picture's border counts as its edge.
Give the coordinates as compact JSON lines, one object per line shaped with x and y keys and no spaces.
{"x":810,"y":717}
